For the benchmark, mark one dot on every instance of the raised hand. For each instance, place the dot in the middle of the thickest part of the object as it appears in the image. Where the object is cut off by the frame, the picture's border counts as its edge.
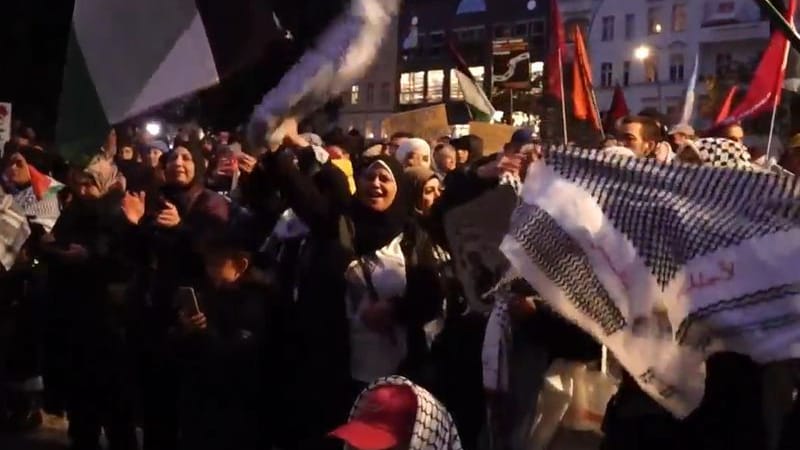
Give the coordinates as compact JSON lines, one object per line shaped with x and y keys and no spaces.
{"x":133,"y":207}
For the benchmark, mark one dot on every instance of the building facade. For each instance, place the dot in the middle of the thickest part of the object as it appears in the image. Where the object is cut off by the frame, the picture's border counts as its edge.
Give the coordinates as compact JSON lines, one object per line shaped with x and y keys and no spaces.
{"x":373,"y":98}
{"x":425,"y":71}
{"x":649,"y":48}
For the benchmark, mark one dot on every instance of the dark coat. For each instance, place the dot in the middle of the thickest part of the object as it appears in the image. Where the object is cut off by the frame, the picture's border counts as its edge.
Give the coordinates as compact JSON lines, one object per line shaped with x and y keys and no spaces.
{"x":227,"y":388}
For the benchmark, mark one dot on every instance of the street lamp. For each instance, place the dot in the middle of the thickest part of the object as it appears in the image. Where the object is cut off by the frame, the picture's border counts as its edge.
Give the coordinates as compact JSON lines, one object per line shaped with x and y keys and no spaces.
{"x":643,"y":53}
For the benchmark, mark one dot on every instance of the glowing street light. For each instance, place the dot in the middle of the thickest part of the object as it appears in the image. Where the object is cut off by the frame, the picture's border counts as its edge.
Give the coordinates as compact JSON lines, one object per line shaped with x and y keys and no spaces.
{"x":641,"y":52}
{"x":153,"y":128}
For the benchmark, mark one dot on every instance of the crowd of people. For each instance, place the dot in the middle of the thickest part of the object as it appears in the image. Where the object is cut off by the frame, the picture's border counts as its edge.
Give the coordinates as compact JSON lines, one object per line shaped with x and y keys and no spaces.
{"x":220,"y":296}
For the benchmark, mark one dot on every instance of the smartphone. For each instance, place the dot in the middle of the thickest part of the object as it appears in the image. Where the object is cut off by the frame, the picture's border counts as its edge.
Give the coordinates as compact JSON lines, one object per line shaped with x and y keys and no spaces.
{"x":186,"y":300}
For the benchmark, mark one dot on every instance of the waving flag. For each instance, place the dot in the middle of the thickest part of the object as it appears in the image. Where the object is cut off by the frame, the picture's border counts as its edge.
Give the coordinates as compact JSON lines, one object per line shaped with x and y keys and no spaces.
{"x":555,"y":56}
{"x":584,"y":103}
{"x":474,"y":95}
{"x":658,"y":267}
{"x":725,"y":109}
{"x":765,"y":89}
{"x":688,"y":104}
{"x":125,"y":57}
{"x":617,"y":110}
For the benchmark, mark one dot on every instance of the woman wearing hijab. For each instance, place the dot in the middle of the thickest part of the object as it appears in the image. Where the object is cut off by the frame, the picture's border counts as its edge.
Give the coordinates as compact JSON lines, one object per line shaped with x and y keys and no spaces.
{"x":426,"y":188}
{"x":24,"y":176}
{"x":170,"y":227}
{"x":393,"y":285}
{"x":87,"y":262}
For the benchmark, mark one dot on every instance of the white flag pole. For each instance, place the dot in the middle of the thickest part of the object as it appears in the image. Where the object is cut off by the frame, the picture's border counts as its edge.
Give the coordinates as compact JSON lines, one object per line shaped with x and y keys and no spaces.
{"x":776,"y":103}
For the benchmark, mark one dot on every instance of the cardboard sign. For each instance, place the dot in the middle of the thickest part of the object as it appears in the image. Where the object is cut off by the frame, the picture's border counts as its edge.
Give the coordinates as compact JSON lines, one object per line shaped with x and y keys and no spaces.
{"x":5,"y":124}
{"x":494,"y":135}
{"x":428,"y":123}
{"x":474,"y":232}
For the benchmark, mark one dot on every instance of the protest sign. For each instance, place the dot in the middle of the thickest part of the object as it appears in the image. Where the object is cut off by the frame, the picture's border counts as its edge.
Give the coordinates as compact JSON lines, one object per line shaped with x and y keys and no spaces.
{"x":511,"y":64}
{"x":5,"y":124}
{"x":494,"y":135}
{"x":474,"y":232}
{"x":428,"y":123}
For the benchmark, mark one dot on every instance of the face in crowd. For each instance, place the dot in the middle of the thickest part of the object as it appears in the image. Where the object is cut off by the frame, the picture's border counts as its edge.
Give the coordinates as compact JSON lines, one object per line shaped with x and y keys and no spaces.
{"x":126,"y":154}
{"x":17,"y":172}
{"x":734,"y":133}
{"x":445,"y":157}
{"x":431,"y":192}
{"x":377,"y":187}
{"x":180,"y":167}
{"x":153,"y":155}
{"x":639,"y":135}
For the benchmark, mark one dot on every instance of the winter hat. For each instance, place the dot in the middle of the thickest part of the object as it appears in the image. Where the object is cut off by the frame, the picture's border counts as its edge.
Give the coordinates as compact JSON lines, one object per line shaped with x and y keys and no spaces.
{"x":408,"y":146}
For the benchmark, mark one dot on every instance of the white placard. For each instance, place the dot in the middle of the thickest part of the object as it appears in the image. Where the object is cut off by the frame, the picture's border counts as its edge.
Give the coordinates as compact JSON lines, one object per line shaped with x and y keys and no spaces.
{"x":5,"y":124}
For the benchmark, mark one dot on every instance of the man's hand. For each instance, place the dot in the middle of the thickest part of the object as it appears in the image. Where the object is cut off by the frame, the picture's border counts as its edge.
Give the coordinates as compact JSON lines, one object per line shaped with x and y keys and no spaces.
{"x":507,"y":163}
{"x":75,"y":254}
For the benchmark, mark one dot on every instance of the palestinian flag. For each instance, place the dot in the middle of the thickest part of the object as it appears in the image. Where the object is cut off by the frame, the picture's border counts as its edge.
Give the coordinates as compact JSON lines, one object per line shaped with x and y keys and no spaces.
{"x":474,"y":95}
{"x":125,"y":57}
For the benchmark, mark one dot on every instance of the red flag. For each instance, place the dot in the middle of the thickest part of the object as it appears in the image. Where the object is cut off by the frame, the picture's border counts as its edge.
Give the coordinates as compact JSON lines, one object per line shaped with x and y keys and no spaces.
{"x":725,"y":110}
{"x":617,"y":110}
{"x":583,"y":100}
{"x":556,"y":53}
{"x":765,"y":89}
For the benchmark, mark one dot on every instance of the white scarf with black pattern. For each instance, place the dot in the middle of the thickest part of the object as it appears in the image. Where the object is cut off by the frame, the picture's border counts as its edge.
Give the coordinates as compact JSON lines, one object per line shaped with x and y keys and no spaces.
{"x":665,"y":264}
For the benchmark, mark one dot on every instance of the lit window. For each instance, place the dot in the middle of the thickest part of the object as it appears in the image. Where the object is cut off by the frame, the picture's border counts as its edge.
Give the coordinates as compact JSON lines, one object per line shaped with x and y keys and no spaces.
{"x":412,"y":88}
{"x":608,"y":28}
{"x":654,"y":20}
{"x":435,"y":85}
{"x":679,"y":17}
{"x":606,"y":74}
{"x":455,"y":87}
{"x":676,"y":68}
{"x":354,"y":95}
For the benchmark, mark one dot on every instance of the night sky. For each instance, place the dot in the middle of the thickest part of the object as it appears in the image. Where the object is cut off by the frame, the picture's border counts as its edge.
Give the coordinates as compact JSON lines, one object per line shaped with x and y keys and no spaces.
{"x":34,"y":41}
{"x":33,"y":47}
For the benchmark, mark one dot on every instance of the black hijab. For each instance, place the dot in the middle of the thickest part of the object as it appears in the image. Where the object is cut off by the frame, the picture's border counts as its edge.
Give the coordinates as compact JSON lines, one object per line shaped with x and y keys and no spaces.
{"x":373,"y":229}
{"x":183,"y":196}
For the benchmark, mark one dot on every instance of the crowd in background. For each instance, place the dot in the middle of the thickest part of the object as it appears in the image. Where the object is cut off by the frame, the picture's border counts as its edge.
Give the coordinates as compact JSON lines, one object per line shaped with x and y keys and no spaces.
{"x":220,"y":296}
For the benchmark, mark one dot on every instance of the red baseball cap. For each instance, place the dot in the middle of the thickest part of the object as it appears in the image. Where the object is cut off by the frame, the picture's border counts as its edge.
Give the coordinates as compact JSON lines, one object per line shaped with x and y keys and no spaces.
{"x":384,"y":418}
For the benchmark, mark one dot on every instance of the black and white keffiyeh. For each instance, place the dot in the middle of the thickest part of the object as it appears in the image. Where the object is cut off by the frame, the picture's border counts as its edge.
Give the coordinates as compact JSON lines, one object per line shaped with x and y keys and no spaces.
{"x":14,"y":230}
{"x":719,"y":152}
{"x":434,"y":428}
{"x":664,"y":264}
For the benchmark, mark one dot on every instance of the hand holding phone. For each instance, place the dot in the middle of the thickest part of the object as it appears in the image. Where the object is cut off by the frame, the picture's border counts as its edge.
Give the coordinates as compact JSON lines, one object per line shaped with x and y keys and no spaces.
{"x":186,"y":300}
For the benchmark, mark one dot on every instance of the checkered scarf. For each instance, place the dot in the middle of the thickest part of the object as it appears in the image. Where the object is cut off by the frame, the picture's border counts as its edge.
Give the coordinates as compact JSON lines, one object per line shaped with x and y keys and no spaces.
{"x":434,"y":428}
{"x":664,"y":264}
{"x":720,"y":152}
{"x":14,"y":230}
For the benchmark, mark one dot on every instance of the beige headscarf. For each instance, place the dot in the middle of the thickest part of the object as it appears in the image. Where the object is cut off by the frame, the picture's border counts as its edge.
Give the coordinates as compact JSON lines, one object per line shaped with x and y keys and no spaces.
{"x":105,"y":174}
